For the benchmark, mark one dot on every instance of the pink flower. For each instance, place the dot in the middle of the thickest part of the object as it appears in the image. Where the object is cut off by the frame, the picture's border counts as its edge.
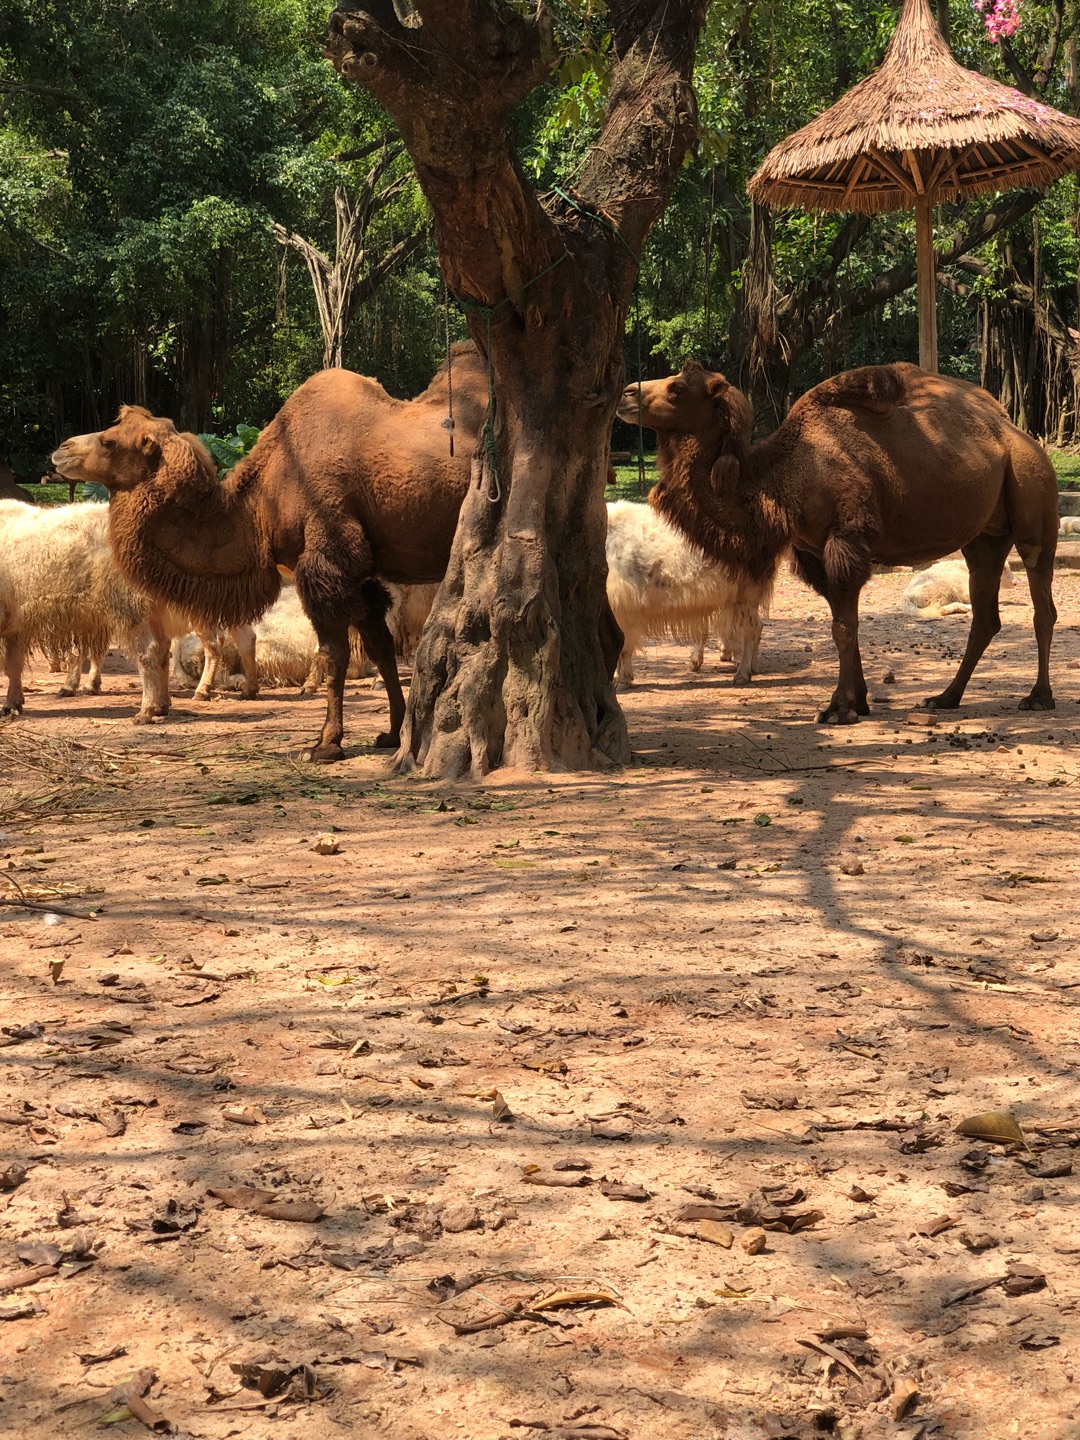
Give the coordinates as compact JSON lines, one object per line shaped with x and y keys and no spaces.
{"x":1001,"y":17}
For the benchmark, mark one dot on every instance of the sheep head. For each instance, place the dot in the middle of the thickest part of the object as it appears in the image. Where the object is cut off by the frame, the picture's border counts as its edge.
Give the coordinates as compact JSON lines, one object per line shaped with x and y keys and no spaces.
{"x":696,"y":401}
{"x":133,"y":452}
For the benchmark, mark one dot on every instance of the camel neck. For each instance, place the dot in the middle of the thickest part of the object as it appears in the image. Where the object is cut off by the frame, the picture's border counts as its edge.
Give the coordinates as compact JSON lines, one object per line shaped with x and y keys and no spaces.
{"x":730,"y":501}
{"x":195,"y":544}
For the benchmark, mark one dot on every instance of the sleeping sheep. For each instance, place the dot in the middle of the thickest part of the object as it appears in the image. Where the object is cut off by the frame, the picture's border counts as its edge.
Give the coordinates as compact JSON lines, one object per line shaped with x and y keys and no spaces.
{"x":943,"y":590}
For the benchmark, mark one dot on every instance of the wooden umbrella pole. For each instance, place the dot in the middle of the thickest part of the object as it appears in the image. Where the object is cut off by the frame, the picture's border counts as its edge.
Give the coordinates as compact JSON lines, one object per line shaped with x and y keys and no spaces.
{"x":927,"y":272}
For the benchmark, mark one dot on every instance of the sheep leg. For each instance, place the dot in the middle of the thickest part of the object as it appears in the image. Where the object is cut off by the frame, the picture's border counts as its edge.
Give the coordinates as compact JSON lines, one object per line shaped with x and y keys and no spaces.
{"x":243,"y":637}
{"x":316,"y":674}
{"x":747,"y":647}
{"x":74,"y":676}
{"x":985,"y":558}
{"x":1040,"y":577}
{"x":612,"y":641}
{"x":14,"y":660}
{"x":211,"y":649}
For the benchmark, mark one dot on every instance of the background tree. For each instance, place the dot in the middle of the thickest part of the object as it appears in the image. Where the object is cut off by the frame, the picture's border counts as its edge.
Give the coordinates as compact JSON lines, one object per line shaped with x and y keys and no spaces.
{"x":513,"y":668}
{"x":354,"y":273}
{"x":146,"y":150}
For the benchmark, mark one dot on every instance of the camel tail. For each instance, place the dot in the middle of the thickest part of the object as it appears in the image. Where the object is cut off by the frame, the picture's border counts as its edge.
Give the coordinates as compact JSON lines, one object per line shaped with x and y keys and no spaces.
{"x":844,"y":562}
{"x":877,"y":388}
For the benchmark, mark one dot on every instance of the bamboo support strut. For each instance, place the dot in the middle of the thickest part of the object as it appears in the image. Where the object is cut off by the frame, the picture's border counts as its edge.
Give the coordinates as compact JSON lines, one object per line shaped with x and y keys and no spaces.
{"x":927,"y":276}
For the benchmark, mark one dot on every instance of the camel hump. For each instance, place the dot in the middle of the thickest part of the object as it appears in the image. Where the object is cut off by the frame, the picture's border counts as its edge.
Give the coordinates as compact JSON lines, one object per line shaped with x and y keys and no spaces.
{"x":878,"y":388}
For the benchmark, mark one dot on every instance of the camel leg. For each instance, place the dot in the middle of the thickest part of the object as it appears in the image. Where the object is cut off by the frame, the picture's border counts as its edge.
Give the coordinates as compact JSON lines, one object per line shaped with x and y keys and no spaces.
{"x":985,"y":558}
{"x":625,"y":670}
{"x":93,"y":675}
{"x":1040,"y":576}
{"x":849,"y":698}
{"x":370,"y":621}
{"x":14,"y":660}
{"x":243,"y":637}
{"x":334,"y":647}
{"x":152,"y":647}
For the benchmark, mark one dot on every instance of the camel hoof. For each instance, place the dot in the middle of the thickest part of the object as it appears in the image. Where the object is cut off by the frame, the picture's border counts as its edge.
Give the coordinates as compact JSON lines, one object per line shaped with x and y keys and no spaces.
{"x":323,"y":754}
{"x":835,"y":715}
{"x":741,"y":681}
{"x":940,"y":702}
{"x":11,"y":710}
{"x":387,"y":742}
{"x":202,"y":695}
{"x":249,"y":694}
{"x":1038,"y":702}
{"x":65,"y":692}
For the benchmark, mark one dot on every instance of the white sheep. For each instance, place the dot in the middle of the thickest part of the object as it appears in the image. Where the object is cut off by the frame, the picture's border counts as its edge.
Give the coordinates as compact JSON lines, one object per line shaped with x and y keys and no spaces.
{"x":661,"y":585}
{"x":942,"y":590}
{"x":61,"y":594}
{"x":287,"y":648}
{"x":1069,"y":525}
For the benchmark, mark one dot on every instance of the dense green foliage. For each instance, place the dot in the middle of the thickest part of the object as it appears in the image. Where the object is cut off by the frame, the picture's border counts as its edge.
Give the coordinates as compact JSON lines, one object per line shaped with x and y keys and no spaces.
{"x":147,"y":147}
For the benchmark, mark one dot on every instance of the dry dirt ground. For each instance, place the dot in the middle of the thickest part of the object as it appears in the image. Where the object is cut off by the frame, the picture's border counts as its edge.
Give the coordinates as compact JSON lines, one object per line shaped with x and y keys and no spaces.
{"x":763,"y":974}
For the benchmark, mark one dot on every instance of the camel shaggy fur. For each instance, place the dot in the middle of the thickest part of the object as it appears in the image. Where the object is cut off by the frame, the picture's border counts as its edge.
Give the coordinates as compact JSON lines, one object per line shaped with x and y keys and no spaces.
{"x":61,"y":594}
{"x":885,"y":465}
{"x":661,"y":585}
{"x":344,"y":485}
{"x":943,"y":590}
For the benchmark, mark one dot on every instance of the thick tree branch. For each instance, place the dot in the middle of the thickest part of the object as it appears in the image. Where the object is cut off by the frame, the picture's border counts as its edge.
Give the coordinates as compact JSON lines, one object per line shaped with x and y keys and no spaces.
{"x":651,"y":118}
{"x":901,"y":277}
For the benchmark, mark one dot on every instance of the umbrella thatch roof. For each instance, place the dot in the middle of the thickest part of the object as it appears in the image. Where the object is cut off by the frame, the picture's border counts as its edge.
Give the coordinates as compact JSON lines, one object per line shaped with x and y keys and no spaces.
{"x":920,"y":125}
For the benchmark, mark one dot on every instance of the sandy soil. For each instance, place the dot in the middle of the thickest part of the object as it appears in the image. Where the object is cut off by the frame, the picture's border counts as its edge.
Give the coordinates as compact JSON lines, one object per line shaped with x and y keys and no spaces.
{"x":765,"y":972}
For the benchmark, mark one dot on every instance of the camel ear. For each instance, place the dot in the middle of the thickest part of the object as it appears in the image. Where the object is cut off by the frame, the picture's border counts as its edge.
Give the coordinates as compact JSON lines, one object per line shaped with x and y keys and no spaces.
{"x":149,"y":446}
{"x":716,"y":385}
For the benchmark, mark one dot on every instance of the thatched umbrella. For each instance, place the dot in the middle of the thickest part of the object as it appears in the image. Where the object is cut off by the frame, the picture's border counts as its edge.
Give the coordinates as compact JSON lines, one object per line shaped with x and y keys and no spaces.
{"x":919,"y":130}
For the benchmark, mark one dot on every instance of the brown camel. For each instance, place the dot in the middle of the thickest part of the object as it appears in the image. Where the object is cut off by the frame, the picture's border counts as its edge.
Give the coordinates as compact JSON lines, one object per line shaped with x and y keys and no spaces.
{"x":886,"y":465}
{"x":345,"y":484}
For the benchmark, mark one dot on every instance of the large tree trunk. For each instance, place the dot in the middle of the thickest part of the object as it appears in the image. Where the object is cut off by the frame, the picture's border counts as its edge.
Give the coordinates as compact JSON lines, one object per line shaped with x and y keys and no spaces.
{"x":515,"y":667}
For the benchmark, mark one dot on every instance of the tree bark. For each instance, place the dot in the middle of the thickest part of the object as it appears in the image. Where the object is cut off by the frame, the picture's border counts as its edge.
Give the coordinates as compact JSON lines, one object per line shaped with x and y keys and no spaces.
{"x":515,"y":666}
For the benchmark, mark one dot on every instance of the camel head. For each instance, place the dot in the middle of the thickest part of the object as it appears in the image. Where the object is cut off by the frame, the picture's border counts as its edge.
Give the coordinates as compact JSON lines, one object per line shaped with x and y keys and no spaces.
{"x":132,"y":452}
{"x":696,"y":401}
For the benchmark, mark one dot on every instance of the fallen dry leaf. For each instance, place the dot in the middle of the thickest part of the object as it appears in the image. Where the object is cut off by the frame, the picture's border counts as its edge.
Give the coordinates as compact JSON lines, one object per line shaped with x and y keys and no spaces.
{"x":565,"y":1179}
{"x":904,"y":1397}
{"x":995,"y":1125}
{"x":715,"y":1234}
{"x":616,"y":1190}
